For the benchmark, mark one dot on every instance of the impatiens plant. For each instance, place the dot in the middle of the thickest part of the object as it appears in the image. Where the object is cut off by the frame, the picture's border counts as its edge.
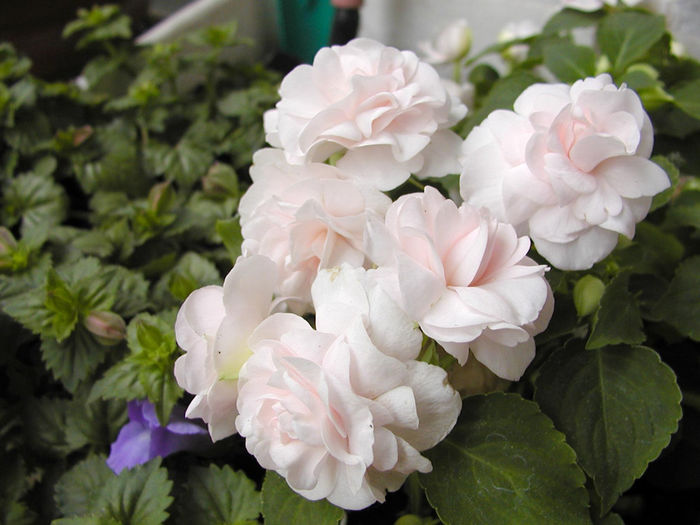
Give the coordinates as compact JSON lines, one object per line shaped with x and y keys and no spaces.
{"x":422,"y":301}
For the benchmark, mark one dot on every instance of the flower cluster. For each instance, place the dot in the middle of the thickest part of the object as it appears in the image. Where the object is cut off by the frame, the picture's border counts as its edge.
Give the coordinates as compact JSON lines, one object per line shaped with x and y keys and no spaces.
{"x":343,"y":409}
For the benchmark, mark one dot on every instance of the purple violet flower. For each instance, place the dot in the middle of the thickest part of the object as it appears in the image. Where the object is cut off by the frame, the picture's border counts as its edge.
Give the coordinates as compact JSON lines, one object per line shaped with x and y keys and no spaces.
{"x":143,"y":438}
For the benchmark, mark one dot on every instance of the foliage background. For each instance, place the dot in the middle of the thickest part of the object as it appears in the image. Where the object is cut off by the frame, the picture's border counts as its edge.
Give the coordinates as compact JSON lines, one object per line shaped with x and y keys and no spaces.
{"x":119,"y":194}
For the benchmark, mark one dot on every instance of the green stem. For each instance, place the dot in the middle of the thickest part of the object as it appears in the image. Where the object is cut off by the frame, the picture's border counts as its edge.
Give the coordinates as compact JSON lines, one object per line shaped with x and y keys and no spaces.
{"x":417,"y":184}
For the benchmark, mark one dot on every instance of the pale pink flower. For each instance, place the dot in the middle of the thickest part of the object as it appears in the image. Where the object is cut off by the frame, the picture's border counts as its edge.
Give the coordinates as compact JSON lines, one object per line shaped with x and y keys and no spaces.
{"x":452,"y":43}
{"x":335,"y":416}
{"x":304,"y":217}
{"x":569,"y":167}
{"x":465,"y":278}
{"x":212,"y":327}
{"x":385,"y":109}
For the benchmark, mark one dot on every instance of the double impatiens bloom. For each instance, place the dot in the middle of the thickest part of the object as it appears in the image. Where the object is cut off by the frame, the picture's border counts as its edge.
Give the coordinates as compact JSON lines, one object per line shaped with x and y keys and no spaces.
{"x":343,"y":409}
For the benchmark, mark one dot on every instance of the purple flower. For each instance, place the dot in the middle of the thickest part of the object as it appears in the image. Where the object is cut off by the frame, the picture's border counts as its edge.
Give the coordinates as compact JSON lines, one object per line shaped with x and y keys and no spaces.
{"x":143,"y":438}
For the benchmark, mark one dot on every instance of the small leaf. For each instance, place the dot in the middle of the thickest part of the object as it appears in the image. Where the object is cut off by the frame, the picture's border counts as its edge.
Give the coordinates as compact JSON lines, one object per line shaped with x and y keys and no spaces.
{"x":679,"y":306}
{"x":504,"y":462}
{"x":618,"y":407}
{"x":626,"y":37}
{"x":282,"y":506}
{"x":569,"y":62}
{"x":220,"y":495}
{"x":121,"y":381}
{"x":618,"y":320}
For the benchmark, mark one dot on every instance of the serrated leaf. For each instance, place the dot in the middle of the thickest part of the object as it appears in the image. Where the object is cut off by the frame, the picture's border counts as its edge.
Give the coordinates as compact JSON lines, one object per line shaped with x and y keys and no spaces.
{"x":161,"y":389}
{"x":44,"y":426}
{"x":626,"y":37}
{"x":569,"y":62}
{"x":35,"y":200}
{"x":96,"y":423}
{"x":220,"y":496}
{"x":679,"y":306}
{"x":510,"y":466}
{"x":618,"y":407}
{"x":618,"y":319}
{"x":79,"y":489}
{"x":282,"y":506}
{"x":139,"y":495}
{"x":73,"y":359}
{"x":131,"y":291}
{"x":121,"y":381}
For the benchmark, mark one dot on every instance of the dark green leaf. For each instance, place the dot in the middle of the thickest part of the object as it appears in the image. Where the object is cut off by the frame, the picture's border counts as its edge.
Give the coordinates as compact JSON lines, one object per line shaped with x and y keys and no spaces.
{"x":626,"y":37}
{"x":660,"y":199}
{"x":618,"y":407}
{"x":501,"y":96}
{"x":282,"y":506}
{"x":140,"y":495}
{"x":220,"y":496}
{"x":652,"y":251}
{"x":131,"y":291}
{"x":504,"y":462}
{"x":78,"y":491}
{"x":230,"y":232}
{"x":35,"y":200}
{"x":685,"y":96}
{"x":618,"y":320}
{"x":679,"y":306}
{"x":121,"y":381}
{"x":685,"y":210}
{"x":569,"y":62}
{"x":44,"y":426}
{"x":567,"y":19}
{"x":74,"y":359}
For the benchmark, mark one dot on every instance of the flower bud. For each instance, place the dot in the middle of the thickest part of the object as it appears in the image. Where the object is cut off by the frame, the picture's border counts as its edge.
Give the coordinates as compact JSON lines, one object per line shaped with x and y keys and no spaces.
{"x":587,"y":293}
{"x":220,"y":181}
{"x":107,"y":327}
{"x":161,"y":197}
{"x":451,"y":44}
{"x":7,"y":241}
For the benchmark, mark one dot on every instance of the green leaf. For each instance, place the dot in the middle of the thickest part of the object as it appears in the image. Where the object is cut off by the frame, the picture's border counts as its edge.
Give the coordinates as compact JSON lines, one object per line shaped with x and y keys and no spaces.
{"x":74,"y":359}
{"x":618,"y":407}
{"x":230,"y":232}
{"x":567,"y":19}
{"x":282,"y":506}
{"x":35,"y":200}
{"x":140,"y":495}
{"x":652,"y":251}
{"x":121,"y":381}
{"x":191,"y":272}
{"x":220,"y":495}
{"x":661,"y":199}
{"x":131,"y":291}
{"x":502,"y":95}
{"x":504,"y":462}
{"x":161,"y":389}
{"x":679,"y":306}
{"x":618,"y":320}
{"x":185,"y":163}
{"x":626,"y":37}
{"x":685,"y":210}
{"x":685,"y":96}
{"x":569,"y":62}
{"x":44,"y":426}
{"x":62,"y":304}
{"x":78,"y":491}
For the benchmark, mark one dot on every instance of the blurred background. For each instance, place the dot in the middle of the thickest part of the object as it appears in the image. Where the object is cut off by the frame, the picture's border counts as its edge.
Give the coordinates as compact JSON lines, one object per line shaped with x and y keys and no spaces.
{"x":290,"y":31}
